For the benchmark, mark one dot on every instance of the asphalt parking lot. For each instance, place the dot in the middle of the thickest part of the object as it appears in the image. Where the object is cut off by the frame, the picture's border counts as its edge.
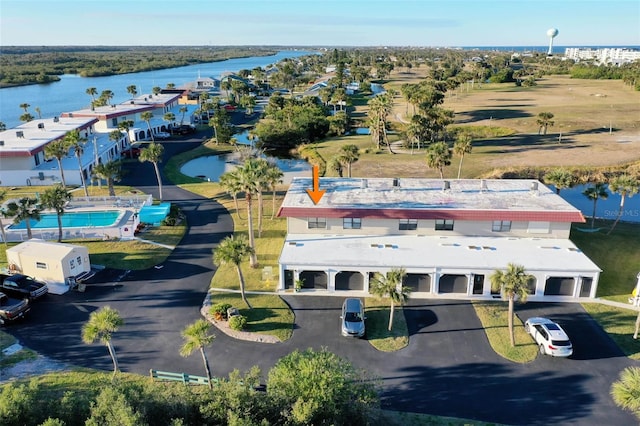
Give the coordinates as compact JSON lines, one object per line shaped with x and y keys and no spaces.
{"x":448,"y":368}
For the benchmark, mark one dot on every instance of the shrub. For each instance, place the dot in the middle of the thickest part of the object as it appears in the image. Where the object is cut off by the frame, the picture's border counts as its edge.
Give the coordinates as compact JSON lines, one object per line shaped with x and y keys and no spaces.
{"x":238,"y":322}
{"x":219,"y":311}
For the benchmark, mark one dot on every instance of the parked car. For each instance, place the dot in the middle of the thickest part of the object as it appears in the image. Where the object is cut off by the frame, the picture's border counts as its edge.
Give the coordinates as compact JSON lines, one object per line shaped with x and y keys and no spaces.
{"x":162,"y":135}
{"x":12,"y":309}
{"x":185,"y":129}
{"x":22,"y":286}
{"x":353,"y":318}
{"x":549,"y":336}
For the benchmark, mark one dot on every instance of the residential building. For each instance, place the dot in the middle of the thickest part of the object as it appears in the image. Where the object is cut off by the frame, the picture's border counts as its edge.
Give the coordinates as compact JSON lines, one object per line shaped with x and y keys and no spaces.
{"x":611,"y":55}
{"x":449,"y":235}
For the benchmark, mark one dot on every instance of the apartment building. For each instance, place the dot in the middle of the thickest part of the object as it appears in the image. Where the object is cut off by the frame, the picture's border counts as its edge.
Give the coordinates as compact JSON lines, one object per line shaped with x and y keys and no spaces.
{"x":449,"y":236}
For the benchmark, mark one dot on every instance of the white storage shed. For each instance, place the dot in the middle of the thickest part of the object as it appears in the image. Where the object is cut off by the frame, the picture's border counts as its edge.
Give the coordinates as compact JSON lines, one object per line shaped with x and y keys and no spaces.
{"x":57,"y":264}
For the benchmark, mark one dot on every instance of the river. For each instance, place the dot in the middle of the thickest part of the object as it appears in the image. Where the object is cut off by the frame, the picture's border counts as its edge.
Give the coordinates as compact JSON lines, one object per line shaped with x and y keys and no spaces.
{"x":69,"y":94}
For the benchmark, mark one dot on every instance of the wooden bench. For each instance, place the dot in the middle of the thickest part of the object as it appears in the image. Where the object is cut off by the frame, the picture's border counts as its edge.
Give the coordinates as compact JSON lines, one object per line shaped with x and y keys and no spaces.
{"x":180,"y":377}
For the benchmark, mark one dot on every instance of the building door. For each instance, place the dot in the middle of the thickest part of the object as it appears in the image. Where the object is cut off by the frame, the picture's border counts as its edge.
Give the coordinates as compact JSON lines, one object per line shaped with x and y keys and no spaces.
{"x":559,"y":286}
{"x":418,"y":282}
{"x":349,"y":280}
{"x":585,"y":287}
{"x":478,"y":284}
{"x":314,"y":279}
{"x":450,"y":283}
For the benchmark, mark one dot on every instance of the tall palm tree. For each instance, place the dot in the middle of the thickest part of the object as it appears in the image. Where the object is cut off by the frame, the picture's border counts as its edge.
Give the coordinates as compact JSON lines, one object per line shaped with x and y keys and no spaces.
{"x":390,"y":285}
{"x":594,"y":193}
{"x":26,"y":117}
{"x":229,"y":181}
{"x":25,"y":107}
{"x":39,"y":112}
{"x":234,"y":251}
{"x":147,"y":116}
{"x":132,"y":90}
{"x":183,"y":110}
{"x":196,"y":336}
{"x":25,"y":209}
{"x":461,"y":147}
{"x":106,"y":96}
{"x":626,"y":391}
{"x":156,"y":90}
{"x":514,"y":285}
{"x":626,"y":186}
{"x":125,"y":126}
{"x":438,"y":157}
{"x":101,"y":325}
{"x":417,"y":130}
{"x":56,"y":199}
{"x":153,"y":154}
{"x":111,"y":172}
{"x":170,"y":118}
{"x":544,"y":121}
{"x":379,"y":109}
{"x":3,"y":126}
{"x":76,"y":142}
{"x":92,"y":91}
{"x":560,"y":178}
{"x":3,"y":213}
{"x":58,"y":149}
{"x":349,"y":154}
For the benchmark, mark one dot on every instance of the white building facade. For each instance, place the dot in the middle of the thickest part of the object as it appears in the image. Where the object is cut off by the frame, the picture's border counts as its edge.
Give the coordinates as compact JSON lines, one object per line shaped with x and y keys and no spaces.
{"x":449,"y":236}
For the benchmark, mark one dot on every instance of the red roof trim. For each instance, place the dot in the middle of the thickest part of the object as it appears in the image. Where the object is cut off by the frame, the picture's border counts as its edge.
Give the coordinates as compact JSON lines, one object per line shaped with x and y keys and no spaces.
{"x":455,"y":214}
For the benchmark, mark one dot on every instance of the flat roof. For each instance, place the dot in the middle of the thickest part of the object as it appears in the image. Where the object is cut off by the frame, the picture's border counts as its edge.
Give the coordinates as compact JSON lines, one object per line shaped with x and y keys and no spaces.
{"x":414,"y":198}
{"x":136,"y":105}
{"x":31,"y":137}
{"x":430,"y":252}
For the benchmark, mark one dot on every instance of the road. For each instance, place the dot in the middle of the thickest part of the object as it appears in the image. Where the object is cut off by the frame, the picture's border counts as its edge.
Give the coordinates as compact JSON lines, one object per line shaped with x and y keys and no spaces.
{"x":448,"y":368}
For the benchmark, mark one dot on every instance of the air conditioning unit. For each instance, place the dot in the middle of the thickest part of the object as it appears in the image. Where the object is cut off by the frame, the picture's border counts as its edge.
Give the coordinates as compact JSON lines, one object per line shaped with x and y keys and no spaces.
{"x":132,"y":102}
{"x":41,"y":175}
{"x":20,"y":134}
{"x":56,"y":119}
{"x":70,"y":115}
{"x":1,"y":143}
{"x":41,"y":126}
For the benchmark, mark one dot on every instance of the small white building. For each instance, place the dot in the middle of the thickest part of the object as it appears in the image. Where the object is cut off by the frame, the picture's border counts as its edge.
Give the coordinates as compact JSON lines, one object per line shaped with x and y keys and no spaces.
{"x":57,"y":264}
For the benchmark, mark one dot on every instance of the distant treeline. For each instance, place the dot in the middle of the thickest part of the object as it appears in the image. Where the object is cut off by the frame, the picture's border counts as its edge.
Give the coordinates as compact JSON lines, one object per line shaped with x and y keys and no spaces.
{"x":22,"y":65}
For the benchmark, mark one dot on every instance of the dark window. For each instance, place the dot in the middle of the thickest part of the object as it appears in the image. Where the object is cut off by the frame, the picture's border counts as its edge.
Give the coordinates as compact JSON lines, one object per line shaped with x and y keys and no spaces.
{"x":444,"y":224}
{"x":408,"y":224}
{"x":41,"y":265}
{"x":501,"y":226}
{"x":531,"y":285}
{"x":316,"y":223}
{"x":114,"y":122}
{"x":351,"y":223}
{"x":79,"y":260}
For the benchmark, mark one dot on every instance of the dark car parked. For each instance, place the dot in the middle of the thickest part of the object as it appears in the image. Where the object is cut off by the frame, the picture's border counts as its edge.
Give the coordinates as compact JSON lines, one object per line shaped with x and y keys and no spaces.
{"x":22,"y":286}
{"x":12,"y":309}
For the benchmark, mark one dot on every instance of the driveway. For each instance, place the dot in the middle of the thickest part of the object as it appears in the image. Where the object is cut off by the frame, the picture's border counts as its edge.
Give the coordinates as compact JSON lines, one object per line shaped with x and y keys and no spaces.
{"x":448,"y":368}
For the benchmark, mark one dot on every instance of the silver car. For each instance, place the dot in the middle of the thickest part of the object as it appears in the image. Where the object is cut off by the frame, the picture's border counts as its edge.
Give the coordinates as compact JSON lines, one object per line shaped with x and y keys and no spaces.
{"x":353,"y":318}
{"x":549,"y":336}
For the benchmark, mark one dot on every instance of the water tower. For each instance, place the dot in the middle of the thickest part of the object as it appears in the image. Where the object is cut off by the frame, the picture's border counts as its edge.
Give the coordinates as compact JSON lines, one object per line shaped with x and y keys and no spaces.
{"x":551,"y":33}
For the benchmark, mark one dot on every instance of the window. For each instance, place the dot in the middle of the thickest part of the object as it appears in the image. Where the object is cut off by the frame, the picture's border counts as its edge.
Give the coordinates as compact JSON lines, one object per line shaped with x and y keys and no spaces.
{"x":316,"y":223}
{"x":501,"y":226}
{"x":79,"y":260}
{"x":444,"y":224}
{"x":408,"y":224}
{"x":41,"y":265}
{"x":72,"y":264}
{"x":351,"y":223}
{"x":114,"y":122}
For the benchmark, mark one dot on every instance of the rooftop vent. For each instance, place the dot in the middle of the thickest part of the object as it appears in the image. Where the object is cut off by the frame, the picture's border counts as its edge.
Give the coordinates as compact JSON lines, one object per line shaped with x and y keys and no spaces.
{"x":113,"y":106}
{"x":70,"y":115}
{"x":483,"y":185}
{"x":132,"y":102}
{"x":20,"y":134}
{"x":1,"y":143}
{"x":41,"y":126}
{"x":446,"y":185}
{"x":56,"y":119}
{"x":396,"y":182}
{"x":363,"y":184}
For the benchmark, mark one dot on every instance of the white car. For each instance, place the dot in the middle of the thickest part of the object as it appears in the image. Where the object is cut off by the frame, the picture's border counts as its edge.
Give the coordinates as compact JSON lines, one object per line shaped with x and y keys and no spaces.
{"x":162,"y":135}
{"x":549,"y":336}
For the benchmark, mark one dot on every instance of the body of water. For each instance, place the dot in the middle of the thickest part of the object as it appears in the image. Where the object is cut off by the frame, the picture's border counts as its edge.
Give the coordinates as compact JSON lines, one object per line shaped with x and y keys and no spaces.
{"x":605,"y":209}
{"x":69,"y":94}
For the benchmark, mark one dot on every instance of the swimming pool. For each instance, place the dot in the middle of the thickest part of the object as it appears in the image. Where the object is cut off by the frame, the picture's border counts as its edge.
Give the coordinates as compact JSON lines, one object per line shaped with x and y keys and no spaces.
{"x":103,"y":218}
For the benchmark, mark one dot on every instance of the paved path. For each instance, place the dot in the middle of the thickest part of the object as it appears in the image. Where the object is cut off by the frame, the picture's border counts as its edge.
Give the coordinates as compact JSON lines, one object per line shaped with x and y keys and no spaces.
{"x":447,"y":369}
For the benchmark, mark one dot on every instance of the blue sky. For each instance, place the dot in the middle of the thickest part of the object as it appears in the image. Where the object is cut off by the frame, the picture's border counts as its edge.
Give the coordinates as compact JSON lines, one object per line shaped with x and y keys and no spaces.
{"x":311,"y":22}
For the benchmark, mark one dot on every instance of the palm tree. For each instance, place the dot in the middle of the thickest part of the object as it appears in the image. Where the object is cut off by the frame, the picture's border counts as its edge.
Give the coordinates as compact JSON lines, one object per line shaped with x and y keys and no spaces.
{"x":544,"y":120}
{"x":153,"y":154}
{"x":349,"y":154}
{"x":626,"y":186}
{"x":560,"y":178}
{"x":379,"y":109}
{"x":125,"y":126}
{"x":3,"y":126}
{"x":229,"y":181}
{"x":3,"y":213}
{"x":439,"y":156}
{"x":513,"y":284}
{"x":626,"y":391}
{"x":183,"y":110}
{"x":58,"y":149}
{"x":56,"y":198}
{"x":156,"y":90}
{"x":92,"y":91}
{"x":76,"y":142}
{"x":39,"y":112}
{"x":106,"y":96}
{"x":461,"y":147}
{"x":594,"y":193}
{"x":25,"y":107}
{"x":169,"y":117}
{"x":272,"y":178}
{"x":196,"y":336}
{"x":147,"y":116}
{"x":132,"y":90}
{"x":234,"y":251}
{"x":26,"y":117}
{"x":101,"y":325}
{"x":25,"y":209}
{"x":390,"y":285}
{"x":417,"y":130}
{"x":111,"y":172}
